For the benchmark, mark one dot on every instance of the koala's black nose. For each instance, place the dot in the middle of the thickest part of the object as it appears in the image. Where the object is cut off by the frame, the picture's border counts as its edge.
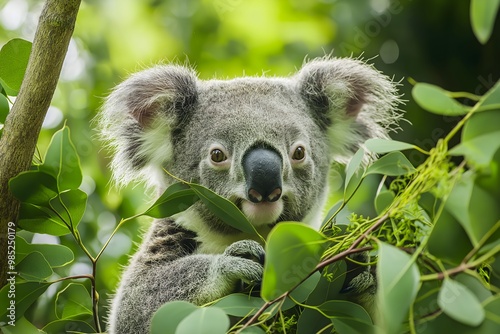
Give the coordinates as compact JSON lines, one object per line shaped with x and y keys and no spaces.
{"x":262,"y":169}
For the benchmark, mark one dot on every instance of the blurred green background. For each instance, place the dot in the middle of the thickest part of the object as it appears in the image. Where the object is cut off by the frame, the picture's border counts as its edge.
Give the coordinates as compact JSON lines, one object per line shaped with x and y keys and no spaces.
{"x":429,"y":41}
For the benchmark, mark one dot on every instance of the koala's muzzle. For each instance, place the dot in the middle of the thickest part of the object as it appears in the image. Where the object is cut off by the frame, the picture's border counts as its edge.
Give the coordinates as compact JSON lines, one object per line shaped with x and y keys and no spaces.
{"x":262,"y":169}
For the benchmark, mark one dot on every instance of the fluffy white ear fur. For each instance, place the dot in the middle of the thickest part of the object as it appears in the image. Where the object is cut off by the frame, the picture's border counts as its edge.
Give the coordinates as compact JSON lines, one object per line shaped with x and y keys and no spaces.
{"x":352,"y":100}
{"x":138,"y":117}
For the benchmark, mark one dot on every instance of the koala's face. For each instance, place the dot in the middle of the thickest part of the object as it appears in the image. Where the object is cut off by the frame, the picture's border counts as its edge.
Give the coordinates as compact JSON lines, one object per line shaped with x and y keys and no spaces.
{"x":254,"y":142}
{"x":264,"y":143}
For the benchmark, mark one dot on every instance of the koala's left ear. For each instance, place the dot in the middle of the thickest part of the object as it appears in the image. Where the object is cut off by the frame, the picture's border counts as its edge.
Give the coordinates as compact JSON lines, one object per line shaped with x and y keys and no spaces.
{"x":350,"y":100}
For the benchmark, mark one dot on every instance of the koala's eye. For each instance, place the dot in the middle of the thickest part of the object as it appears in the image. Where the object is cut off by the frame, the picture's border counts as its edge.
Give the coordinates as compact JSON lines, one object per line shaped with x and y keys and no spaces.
{"x":217,"y":155}
{"x":299,"y":153}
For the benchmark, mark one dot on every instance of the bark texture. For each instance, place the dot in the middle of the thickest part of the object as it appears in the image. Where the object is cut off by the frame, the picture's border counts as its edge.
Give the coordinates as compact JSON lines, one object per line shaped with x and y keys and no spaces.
{"x":25,"y":119}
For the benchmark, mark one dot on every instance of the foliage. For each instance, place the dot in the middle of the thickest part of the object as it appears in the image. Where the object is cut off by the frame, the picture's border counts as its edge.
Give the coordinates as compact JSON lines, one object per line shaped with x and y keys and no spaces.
{"x":434,"y":239}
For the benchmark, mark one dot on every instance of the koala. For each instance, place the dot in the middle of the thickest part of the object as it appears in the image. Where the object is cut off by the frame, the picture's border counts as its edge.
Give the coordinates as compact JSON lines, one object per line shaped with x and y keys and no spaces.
{"x":264,"y":143}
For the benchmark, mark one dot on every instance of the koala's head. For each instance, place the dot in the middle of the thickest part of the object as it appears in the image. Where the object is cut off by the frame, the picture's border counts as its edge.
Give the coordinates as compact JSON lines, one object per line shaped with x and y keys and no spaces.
{"x":264,"y":143}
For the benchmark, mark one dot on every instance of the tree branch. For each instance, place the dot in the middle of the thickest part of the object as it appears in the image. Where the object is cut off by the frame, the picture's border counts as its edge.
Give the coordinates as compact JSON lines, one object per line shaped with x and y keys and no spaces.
{"x":23,"y":124}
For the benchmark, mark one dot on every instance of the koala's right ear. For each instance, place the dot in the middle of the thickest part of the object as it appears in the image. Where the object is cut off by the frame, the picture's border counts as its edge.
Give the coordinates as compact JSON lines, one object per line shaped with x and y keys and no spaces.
{"x":138,"y":118}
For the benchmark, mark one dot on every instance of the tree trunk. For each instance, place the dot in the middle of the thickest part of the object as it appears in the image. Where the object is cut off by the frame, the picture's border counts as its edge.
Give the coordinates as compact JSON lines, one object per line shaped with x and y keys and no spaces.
{"x":22,"y":126}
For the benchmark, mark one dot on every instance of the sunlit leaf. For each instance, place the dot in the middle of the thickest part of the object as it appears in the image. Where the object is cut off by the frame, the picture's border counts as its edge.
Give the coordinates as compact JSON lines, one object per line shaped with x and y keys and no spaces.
{"x":73,"y":302}
{"x":223,"y":209}
{"x":482,"y":16}
{"x":459,"y":303}
{"x":38,"y":219}
{"x":56,"y":255}
{"x":62,"y":161}
{"x":392,"y":164}
{"x":178,"y":197}
{"x":34,"y":267}
{"x":14,"y":57}
{"x":166,"y":319}
{"x":206,"y":320}
{"x":436,"y":100}
{"x":377,"y":145}
{"x":293,"y":251}
{"x":398,"y":281}
{"x":34,"y":187}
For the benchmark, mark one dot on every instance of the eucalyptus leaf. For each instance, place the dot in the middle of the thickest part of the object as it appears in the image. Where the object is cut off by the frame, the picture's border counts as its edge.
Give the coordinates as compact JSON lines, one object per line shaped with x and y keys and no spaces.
{"x":22,"y":326}
{"x":398,"y":281}
{"x":383,"y":200}
{"x":39,"y":219}
{"x":56,"y":255}
{"x":73,"y":302}
{"x":459,"y":303}
{"x":70,"y":205}
{"x":63,"y":326}
{"x":4,"y":108}
{"x":34,"y":267}
{"x":239,"y":304}
{"x":223,"y":209}
{"x":392,"y":164}
{"x":14,"y":57}
{"x":437,"y":100}
{"x":377,"y":145}
{"x":482,"y":16}
{"x":206,"y":320}
{"x":27,"y":293}
{"x":166,"y":319}
{"x":480,"y":150}
{"x":178,"y":197}
{"x":293,"y":251}
{"x":62,"y":161}
{"x":492,"y":98}
{"x":35,"y":187}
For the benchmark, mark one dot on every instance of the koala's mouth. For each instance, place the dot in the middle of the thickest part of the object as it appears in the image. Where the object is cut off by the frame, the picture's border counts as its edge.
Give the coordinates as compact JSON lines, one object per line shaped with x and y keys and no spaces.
{"x":263,"y":213}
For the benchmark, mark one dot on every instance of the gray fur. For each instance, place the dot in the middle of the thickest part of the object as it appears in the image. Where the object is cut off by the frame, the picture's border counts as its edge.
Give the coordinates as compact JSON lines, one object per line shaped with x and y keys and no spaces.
{"x":165,"y":117}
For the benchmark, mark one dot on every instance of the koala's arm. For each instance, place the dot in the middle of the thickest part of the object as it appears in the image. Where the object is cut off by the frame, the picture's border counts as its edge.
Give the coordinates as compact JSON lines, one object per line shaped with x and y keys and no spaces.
{"x":166,"y":268}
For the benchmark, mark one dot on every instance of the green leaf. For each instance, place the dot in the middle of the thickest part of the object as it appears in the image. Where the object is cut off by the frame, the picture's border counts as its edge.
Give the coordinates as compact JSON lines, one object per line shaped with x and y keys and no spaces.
{"x":474,"y":208}
{"x":13,"y":61}
{"x":34,"y":267}
{"x":34,"y":187}
{"x":437,"y":100}
{"x":398,"y":281}
{"x":4,"y":108}
{"x":392,"y":164}
{"x":383,"y":200}
{"x":482,"y":17}
{"x":347,"y":317}
{"x":166,"y":319}
{"x":480,"y":124}
{"x":73,"y":302}
{"x":178,"y":197}
{"x":38,"y":219}
{"x":206,"y":320}
{"x":223,"y":209}
{"x":354,"y":173}
{"x":22,"y":326}
{"x":26,"y":293}
{"x":56,"y":255}
{"x":62,"y":161}
{"x":492,"y":97}
{"x":293,"y":251}
{"x":480,"y":150}
{"x":62,"y":326}
{"x":70,"y":205}
{"x":376,"y":145}
{"x":459,"y":303}
{"x":239,"y":305}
